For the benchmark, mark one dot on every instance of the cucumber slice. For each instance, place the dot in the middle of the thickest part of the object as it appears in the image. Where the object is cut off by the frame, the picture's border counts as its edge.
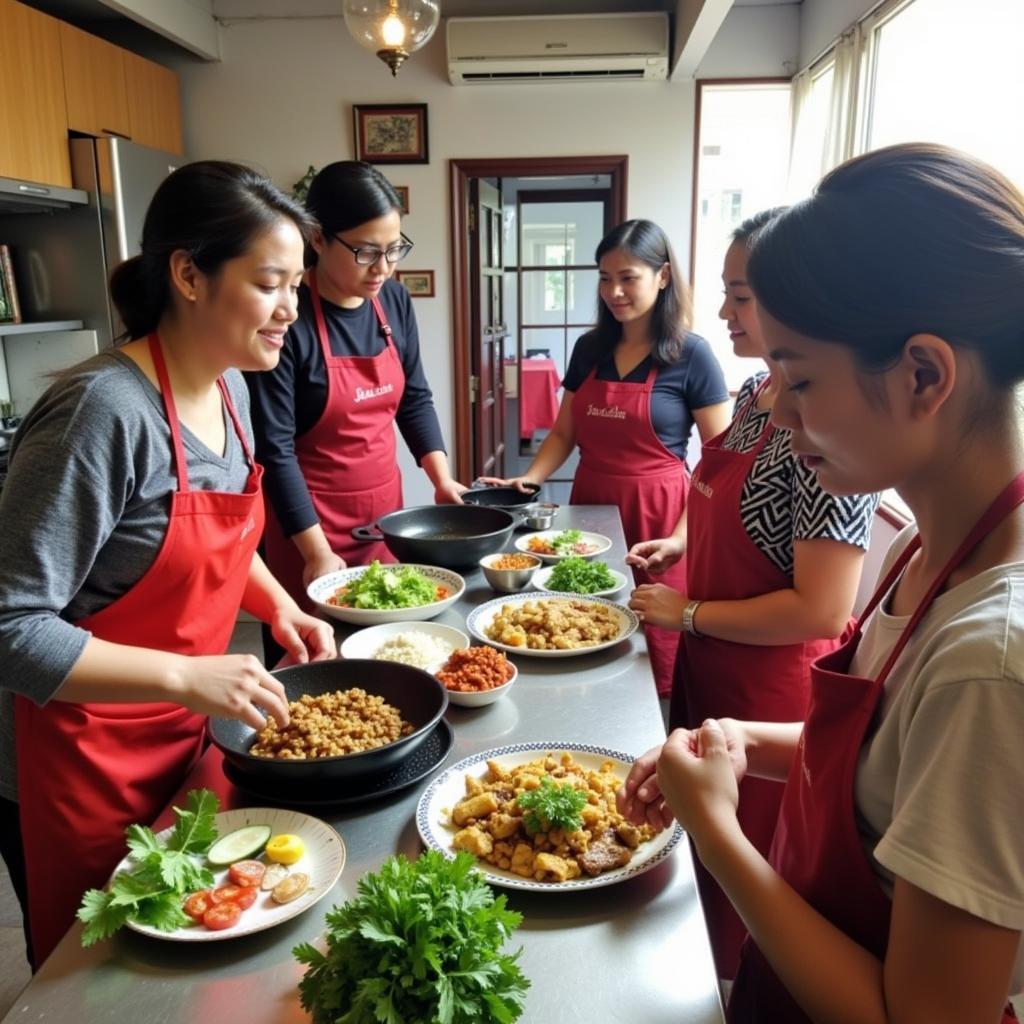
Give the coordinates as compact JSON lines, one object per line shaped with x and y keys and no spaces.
{"x":243,"y":842}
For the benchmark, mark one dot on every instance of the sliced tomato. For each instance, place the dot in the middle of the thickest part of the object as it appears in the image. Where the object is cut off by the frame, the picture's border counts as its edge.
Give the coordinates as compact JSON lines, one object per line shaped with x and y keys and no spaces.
{"x":222,"y":915}
{"x":246,"y":896}
{"x":198,"y":904}
{"x":227,"y":893}
{"x":247,"y":872}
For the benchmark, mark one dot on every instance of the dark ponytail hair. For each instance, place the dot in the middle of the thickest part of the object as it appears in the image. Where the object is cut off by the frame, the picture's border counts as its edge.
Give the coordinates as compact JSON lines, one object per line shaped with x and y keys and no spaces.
{"x":346,"y":194}
{"x":213,"y":210}
{"x":670,"y":318}
{"x":909,"y":239}
{"x":752,"y":225}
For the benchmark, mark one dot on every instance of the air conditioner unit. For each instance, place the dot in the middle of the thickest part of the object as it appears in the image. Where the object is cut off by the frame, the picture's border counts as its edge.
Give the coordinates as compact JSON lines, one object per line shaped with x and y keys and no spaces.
{"x":549,"y":48}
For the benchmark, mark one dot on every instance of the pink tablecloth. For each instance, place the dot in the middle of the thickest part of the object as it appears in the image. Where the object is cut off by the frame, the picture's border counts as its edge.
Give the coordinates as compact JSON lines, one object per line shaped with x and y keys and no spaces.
{"x":538,"y":396}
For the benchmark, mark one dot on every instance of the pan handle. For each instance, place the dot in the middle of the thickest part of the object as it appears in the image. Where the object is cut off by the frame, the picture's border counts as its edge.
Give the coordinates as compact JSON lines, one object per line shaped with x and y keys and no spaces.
{"x":367,"y":533}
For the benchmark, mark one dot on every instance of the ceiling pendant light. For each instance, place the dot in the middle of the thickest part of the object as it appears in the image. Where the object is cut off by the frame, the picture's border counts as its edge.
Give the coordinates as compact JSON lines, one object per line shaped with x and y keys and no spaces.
{"x":392,"y":29}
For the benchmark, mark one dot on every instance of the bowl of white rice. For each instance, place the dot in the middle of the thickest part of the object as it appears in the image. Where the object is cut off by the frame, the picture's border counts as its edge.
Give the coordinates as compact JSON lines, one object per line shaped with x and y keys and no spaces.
{"x":423,"y":645}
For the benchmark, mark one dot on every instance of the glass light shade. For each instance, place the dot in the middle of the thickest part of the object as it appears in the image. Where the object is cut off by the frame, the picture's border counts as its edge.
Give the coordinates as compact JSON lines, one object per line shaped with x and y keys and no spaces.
{"x":392,"y":29}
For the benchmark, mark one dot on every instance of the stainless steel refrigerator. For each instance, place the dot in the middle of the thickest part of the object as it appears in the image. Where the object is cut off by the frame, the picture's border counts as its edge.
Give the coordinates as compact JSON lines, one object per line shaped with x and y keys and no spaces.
{"x":64,"y":251}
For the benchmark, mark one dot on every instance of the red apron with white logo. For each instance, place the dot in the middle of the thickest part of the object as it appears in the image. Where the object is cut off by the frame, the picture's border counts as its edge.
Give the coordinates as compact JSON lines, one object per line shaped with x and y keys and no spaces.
{"x":87,"y":771}
{"x":624,"y":463}
{"x":348,"y":459}
{"x":722,"y":679}
{"x":818,"y":848}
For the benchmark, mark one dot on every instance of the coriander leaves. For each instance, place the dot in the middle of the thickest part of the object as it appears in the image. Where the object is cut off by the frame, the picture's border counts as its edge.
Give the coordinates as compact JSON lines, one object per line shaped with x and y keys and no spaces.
{"x":151,"y":891}
{"x":552,"y":806}
{"x":420,"y":942}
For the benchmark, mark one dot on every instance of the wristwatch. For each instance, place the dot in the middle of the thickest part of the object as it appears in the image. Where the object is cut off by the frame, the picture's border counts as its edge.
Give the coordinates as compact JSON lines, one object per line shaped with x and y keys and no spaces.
{"x":688,"y":613}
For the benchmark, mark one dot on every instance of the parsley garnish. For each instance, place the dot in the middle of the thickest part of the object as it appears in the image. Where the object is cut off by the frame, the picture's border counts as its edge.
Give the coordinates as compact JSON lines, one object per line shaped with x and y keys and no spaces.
{"x":420,"y":941}
{"x":150,"y":893}
{"x":552,"y":806}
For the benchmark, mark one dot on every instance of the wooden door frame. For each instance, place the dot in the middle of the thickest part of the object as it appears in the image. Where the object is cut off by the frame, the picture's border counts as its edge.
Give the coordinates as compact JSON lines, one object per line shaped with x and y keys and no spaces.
{"x":460,"y":173}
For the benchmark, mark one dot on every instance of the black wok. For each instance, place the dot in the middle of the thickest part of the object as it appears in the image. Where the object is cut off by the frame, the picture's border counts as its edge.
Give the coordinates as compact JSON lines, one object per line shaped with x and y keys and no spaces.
{"x":417,"y":694}
{"x":445,"y":535}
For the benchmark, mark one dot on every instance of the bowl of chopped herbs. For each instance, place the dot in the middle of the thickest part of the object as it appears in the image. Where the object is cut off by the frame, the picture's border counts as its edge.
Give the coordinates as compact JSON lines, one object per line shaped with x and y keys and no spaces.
{"x":575,"y":575}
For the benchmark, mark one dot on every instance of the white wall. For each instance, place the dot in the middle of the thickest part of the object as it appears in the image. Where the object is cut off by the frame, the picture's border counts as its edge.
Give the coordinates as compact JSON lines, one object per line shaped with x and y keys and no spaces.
{"x":282,"y":96}
{"x":755,"y":42}
{"x":821,"y":21}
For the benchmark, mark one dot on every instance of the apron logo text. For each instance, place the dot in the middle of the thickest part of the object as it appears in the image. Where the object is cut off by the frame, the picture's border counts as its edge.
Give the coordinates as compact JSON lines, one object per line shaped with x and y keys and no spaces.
{"x":362,"y":394}
{"x":606,"y":412}
{"x":704,"y":488}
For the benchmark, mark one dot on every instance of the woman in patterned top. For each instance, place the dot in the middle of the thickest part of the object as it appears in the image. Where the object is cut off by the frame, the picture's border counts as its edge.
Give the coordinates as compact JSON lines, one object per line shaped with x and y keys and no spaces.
{"x":773,"y":564}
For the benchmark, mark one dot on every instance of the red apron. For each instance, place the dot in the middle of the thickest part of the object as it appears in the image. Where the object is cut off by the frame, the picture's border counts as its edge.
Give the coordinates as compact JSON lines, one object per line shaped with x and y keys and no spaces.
{"x":624,"y":463}
{"x":722,"y":679}
{"x":348,"y":459}
{"x":817,"y":848}
{"x":87,"y":771}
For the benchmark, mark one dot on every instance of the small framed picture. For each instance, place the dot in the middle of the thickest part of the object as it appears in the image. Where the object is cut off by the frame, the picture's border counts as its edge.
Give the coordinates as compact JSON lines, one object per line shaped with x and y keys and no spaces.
{"x":391,"y":134}
{"x":403,"y":195}
{"x":420,"y":283}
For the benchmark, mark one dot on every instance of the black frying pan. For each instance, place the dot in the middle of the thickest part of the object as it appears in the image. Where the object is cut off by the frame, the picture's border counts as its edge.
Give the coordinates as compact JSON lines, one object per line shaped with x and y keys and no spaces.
{"x":445,"y":535}
{"x":417,"y":694}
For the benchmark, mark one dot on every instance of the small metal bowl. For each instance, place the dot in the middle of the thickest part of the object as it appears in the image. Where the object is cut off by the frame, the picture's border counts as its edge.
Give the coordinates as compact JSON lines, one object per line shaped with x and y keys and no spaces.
{"x":540,"y":516}
{"x":508,"y":580}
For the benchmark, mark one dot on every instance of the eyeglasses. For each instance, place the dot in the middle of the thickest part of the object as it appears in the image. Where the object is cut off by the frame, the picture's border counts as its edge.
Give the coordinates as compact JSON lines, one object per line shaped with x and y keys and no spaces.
{"x":368,"y":255}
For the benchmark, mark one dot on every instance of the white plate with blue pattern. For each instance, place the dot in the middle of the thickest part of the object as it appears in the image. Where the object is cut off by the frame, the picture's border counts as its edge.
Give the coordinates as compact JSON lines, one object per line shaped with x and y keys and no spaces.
{"x":480,"y":620}
{"x":433,"y":813}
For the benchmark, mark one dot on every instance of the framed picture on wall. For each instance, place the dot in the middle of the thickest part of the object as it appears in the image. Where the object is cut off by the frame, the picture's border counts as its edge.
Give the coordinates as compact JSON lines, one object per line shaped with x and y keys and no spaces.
{"x":391,"y":134}
{"x":420,"y":283}
{"x":403,"y":195}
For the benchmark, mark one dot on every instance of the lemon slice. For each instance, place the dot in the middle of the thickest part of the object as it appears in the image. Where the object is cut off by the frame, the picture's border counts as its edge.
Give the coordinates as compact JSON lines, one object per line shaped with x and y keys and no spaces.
{"x":285,"y":849}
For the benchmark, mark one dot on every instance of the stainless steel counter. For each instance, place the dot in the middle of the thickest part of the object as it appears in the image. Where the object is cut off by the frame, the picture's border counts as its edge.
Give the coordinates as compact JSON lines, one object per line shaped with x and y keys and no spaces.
{"x":632,"y":952}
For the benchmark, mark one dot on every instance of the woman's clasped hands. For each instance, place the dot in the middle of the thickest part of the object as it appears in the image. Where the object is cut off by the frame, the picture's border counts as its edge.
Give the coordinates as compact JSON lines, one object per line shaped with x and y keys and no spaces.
{"x":692,"y":777}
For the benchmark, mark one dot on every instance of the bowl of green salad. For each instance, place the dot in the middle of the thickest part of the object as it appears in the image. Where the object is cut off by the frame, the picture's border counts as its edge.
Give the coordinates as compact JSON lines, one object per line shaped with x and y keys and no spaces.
{"x":575,"y":575}
{"x":367,"y":595}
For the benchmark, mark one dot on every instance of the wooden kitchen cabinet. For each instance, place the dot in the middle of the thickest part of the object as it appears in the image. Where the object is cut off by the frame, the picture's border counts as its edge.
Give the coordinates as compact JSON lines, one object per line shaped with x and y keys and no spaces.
{"x":154,"y":104}
{"x":33,"y":111}
{"x":95,"y":87}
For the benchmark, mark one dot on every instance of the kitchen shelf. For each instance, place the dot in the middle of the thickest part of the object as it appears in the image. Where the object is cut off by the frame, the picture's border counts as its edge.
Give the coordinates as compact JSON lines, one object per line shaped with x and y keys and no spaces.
{"x":40,"y":327}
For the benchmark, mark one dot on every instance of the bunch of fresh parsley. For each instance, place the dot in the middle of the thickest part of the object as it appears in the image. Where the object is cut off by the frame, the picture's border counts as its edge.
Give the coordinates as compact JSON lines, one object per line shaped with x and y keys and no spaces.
{"x":151,"y":892}
{"x":419,"y":943}
{"x":551,"y":805}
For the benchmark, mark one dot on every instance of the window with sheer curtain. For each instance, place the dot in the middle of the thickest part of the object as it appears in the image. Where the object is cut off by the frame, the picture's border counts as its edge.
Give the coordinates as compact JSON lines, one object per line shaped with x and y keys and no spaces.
{"x":742,"y":162}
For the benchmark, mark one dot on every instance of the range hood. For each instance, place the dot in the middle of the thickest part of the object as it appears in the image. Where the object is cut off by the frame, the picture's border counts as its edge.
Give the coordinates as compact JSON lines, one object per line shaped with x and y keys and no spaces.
{"x":31,"y":197}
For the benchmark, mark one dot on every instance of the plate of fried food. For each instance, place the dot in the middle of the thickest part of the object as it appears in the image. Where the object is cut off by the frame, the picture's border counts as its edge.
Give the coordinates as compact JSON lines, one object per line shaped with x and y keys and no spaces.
{"x":551,"y":627}
{"x":541,"y":817}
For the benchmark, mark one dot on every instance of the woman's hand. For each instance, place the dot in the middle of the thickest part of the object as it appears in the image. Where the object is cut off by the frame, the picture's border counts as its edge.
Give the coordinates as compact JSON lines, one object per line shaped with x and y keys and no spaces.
{"x":520,"y":483}
{"x":449,"y":492}
{"x":658,"y":605}
{"x":304,"y":637}
{"x":640,"y":799}
{"x":232,"y":686}
{"x":697,"y":779}
{"x":656,"y":556}
{"x":321,"y":564}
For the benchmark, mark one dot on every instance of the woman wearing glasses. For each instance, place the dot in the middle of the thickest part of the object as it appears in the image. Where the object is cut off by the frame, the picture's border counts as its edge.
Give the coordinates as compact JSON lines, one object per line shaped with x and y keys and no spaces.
{"x":350,"y":368}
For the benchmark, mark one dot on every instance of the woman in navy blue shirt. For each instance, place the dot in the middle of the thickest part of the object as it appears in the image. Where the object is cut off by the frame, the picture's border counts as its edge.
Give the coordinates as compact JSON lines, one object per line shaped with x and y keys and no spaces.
{"x":635,"y":386}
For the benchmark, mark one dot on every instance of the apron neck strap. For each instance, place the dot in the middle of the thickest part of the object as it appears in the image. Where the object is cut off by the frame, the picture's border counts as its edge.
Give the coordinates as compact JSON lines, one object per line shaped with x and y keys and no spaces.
{"x":180,"y":465}
{"x":321,"y":322}
{"x":1008,"y":499}
{"x":239,"y":430}
{"x":382,"y":320}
